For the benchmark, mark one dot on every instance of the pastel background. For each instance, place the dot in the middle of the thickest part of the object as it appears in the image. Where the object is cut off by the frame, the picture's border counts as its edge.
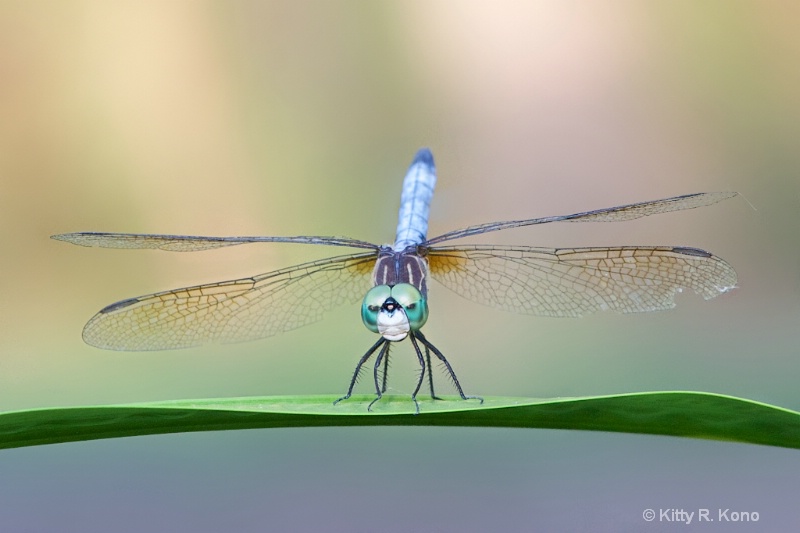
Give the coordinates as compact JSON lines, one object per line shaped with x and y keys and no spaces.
{"x":292,"y":118}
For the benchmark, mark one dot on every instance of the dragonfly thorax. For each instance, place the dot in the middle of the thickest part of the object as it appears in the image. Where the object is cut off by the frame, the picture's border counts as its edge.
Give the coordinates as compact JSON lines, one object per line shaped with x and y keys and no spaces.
{"x":402,"y":266}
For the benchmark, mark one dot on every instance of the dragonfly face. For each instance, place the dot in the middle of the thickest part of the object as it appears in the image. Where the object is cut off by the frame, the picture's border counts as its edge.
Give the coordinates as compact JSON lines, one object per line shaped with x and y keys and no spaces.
{"x":394,"y":311}
{"x":554,"y":282}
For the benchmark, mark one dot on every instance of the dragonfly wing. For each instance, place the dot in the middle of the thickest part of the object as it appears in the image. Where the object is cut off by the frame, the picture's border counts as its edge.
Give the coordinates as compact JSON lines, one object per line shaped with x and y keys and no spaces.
{"x":609,"y":214}
{"x":571,"y":282}
{"x":232,"y":311}
{"x":654,"y":207}
{"x":190,"y":243}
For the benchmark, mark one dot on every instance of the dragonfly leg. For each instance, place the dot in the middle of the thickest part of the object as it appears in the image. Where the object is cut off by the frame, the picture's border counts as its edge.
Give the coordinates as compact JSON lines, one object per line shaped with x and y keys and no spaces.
{"x":385,"y":372}
{"x":443,"y":359}
{"x":422,"y":365}
{"x":361,"y":362}
{"x":376,"y":371}
{"x":430,"y":372}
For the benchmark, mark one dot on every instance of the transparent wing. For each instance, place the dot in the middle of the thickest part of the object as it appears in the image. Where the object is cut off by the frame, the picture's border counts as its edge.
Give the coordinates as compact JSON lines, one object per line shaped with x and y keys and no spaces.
{"x":571,"y":282}
{"x":232,"y":311}
{"x":610,"y":214}
{"x":190,"y":243}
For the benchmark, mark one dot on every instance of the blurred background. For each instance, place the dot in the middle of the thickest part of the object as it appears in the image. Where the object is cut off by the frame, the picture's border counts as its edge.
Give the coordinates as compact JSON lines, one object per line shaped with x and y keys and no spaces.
{"x":291,"y":118}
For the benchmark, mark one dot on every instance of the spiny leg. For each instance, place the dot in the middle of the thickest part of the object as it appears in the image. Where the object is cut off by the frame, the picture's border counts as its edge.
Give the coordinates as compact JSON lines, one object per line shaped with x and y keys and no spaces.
{"x":422,"y":369}
{"x":383,"y":353}
{"x":361,"y":362}
{"x":385,"y":372}
{"x":430,"y":372}
{"x":443,"y":359}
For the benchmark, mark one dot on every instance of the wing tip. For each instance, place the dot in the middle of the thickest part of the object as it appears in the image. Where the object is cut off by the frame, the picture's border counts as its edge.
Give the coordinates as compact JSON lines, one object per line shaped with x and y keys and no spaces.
{"x":118,"y":305}
{"x":81,"y":238}
{"x":695,"y":252}
{"x":65,"y":237}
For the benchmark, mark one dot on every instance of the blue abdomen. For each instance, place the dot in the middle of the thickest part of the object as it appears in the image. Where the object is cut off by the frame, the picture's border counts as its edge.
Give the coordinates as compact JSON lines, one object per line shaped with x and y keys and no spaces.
{"x":415,"y":203}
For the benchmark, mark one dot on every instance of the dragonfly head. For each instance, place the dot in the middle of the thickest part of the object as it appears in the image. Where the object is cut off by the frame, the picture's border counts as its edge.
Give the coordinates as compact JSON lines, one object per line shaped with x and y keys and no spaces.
{"x":394,"y":310}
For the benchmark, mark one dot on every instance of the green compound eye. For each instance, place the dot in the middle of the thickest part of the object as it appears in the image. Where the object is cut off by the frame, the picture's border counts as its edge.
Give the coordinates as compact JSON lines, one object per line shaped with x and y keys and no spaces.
{"x":407,"y":296}
{"x":371,"y":306}
{"x":414,"y":304}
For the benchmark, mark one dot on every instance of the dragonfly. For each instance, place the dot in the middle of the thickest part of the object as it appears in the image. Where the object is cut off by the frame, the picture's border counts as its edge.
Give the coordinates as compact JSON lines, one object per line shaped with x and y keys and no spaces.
{"x":392,"y":282}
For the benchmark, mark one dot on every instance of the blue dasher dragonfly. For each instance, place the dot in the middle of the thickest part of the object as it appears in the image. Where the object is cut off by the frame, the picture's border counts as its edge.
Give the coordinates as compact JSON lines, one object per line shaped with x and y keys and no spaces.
{"x":555,"y":282}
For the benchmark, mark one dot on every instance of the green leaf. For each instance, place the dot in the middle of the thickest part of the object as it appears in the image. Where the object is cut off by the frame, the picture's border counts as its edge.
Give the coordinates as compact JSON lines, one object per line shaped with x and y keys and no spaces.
{"x":685,"y":414}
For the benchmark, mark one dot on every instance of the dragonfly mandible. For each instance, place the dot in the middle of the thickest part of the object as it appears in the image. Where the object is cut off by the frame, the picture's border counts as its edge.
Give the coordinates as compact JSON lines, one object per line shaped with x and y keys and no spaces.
{"x":556,"y":282}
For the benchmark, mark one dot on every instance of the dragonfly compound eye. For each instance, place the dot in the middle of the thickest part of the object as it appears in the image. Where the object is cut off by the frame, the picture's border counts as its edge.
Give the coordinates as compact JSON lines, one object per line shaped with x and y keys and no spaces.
{"x":371,"y":306}
{"x":414,"y":304}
